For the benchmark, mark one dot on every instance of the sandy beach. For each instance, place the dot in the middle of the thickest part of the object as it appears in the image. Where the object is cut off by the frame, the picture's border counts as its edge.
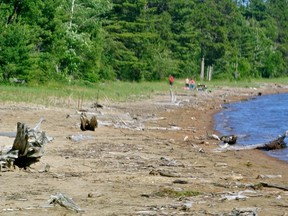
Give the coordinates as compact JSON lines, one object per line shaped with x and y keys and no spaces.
{"x":150,"y":157}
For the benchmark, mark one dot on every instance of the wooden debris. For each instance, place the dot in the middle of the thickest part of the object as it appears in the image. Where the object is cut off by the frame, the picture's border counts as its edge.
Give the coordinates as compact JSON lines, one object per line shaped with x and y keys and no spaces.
{"x":163,"y":173}
{"x":245,"y":211}
{"x":87,"y":124}
{"x":168,"y":174}
{"x":96,"y":105}
{"x":64,"y":201}
{"x":172,"y":128}
{"x":179,"y":181}
{"x":220,"y":164}
{"x":231,"y":139}
{"x":268,"y":176}
{"x":234,"y":196}
{"x":28,"y":146}
{"x":7,"y":159}
{"x":214,"y":136}
{"x":264,"y":184}
{"x":167,"y":162}
{"x":278,"y":143}
{"x":79,"y":137}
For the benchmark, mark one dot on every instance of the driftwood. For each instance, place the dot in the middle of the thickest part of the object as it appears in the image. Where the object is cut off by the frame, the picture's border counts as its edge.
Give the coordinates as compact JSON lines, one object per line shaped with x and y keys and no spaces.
{"x":87,"y":124}
{"x":278,"y":143}
{"x":96,"y":105}
{"x":231,"y":139}
{"x":27,"y":148}
{"x":264,"y":184}
{"x":163,"y":173}
{"x":244,"y":211}
{"x":64,"y":201}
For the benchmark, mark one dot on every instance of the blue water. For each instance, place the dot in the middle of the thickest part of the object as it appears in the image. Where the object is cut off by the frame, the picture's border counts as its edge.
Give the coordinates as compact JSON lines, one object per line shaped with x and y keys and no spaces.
{"x":256,"y":121}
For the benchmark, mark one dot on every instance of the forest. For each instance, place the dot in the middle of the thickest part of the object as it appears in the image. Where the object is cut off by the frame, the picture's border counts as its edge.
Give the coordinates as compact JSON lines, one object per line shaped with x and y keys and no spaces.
{"x":142,"y":40}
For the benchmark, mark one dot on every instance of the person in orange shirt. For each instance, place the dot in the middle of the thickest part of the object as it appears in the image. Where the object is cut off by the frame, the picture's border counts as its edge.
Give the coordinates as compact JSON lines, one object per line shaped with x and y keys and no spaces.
{"x":171,"y":80}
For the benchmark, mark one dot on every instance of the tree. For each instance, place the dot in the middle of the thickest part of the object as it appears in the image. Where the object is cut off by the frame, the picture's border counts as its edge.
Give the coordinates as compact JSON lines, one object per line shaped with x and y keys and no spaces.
{"x":278,"y":10}
{"x":133,"y":40}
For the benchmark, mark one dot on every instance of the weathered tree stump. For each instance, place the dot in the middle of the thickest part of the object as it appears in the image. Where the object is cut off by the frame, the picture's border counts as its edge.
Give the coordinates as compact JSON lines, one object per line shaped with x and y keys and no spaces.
{"x":28,"y":146}
{"x":87,"y":124}
{"x":21,"y":140}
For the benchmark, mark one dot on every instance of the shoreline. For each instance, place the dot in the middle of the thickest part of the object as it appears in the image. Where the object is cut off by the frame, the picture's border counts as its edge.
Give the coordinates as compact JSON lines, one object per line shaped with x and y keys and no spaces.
{"x":210,"y":106}
{"x":234,"y":171}
{"x":265,"y":153}
{"x":265,"y":91}
{"x":167,"y":168}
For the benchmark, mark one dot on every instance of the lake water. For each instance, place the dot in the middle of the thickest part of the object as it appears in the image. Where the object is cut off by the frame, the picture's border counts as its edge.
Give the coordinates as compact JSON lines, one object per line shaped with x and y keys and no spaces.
{"x":256,"y":121}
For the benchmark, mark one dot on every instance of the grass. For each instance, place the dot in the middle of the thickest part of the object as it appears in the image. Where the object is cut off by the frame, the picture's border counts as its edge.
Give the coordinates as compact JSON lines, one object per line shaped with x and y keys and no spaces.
{"x":63,"y":95}
{"x":69,"y":95}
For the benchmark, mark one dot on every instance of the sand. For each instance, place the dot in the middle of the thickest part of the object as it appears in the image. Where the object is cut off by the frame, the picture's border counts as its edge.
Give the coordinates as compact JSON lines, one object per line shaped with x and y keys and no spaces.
{"x":148,"y":157}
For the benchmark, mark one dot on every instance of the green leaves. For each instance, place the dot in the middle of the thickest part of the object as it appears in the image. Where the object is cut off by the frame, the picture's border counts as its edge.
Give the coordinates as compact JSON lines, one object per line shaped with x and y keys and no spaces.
{"x":94,"y":40}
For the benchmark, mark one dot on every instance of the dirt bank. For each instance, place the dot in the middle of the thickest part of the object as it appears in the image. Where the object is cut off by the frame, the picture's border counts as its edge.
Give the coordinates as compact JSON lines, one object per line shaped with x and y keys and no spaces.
{"x":149,"y":157}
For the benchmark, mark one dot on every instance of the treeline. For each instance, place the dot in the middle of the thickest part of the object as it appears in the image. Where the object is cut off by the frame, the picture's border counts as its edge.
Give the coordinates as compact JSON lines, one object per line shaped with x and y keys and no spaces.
{"x":93,"y":40}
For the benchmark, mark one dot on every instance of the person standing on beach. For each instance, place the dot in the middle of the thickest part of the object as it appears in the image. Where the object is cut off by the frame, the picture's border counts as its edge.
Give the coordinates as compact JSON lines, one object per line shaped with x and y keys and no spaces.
{"x":186,"y":87}
{"x":171,"y":80}
{"x":192,"y":84}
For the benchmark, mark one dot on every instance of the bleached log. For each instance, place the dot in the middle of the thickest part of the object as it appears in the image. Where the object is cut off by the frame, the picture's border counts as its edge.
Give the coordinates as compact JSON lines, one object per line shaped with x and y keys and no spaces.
{"x":64,"y":201}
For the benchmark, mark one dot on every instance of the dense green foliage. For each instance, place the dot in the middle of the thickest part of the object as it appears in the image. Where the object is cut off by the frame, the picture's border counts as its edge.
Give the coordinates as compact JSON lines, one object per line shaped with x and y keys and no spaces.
{"x":135,"y":40}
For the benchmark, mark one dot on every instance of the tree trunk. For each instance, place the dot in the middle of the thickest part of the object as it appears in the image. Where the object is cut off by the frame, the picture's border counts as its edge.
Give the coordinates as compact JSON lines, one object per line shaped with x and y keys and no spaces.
{"x":202,"y":70}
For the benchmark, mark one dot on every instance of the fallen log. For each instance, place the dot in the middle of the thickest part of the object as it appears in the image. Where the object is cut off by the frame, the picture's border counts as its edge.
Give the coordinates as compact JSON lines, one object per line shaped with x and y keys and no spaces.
{"x":87,"y":124}
{"x":28,"y":146}
{"x":278,"y":143}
